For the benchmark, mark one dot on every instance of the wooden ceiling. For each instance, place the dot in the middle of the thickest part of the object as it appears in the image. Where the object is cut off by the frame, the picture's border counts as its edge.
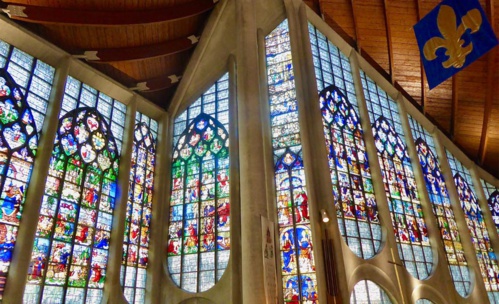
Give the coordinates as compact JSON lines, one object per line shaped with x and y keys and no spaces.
{"x":465,"y":108}
{"x":146,"y":44}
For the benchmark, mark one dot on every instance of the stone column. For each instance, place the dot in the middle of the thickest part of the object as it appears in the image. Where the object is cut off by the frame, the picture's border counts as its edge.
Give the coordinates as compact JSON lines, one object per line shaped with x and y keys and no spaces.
{"x":160,"y":212}
{"x":478,"y":293}
{"x":251,"y":154}
{"x":16,"y":280}
{"x":113,"y":292}
{"x":315,"y":157}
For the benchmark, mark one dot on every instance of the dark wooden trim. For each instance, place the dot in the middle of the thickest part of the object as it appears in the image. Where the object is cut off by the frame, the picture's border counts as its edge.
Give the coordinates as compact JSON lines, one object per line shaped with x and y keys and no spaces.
{"x":141,"y":52}
{"x":355,"y":26}
{"x":389,"y":41}
{"x":423,"y":73}
{"x":40,"y":14}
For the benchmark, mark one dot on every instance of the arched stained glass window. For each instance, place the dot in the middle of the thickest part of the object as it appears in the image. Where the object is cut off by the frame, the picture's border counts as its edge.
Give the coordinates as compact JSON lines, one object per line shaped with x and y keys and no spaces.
{"x":199,"y":232}
{"x":492,"y":195}
{"x":439,"y":197}
{"x":348,"y":164}
{"x":367,"y":292}
{"x":487,"y":260}
{"x":25,"y":86}
{"x":409,"y":225}
{"x":70,"y":251}
{"x":139,"y":209}
{"x":297,"y":257}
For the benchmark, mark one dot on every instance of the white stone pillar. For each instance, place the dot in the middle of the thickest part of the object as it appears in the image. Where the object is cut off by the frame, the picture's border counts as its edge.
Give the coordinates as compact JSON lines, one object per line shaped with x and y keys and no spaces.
{"x":113,"y":292}
{"x":160,"y":213}
{"x":18,"y":273}
{"x":251,"y":153}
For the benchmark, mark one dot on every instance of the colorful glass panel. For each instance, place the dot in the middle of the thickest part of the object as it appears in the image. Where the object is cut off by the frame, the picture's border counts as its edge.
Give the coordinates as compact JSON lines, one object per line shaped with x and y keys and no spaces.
{"x":199,"y":232}
{"x":299,"y":281}
{"x":492,"y":195}
{"x":409,"y":225}
{"x":348,"y":164}
{"x":439,"y":197}
{"x":367,"y":292}
{"x":70,"y":251}
{"x":139,"y":209}
{"x":487,"y":259}
{"x":25,"y":86}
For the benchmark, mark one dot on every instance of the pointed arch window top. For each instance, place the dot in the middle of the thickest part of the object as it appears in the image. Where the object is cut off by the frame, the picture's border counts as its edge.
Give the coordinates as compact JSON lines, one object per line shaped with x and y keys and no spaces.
{"x":336,"y":108}
{"x":17,"y":129}
{"x":203,"y":136}
{"x":387,"y":139}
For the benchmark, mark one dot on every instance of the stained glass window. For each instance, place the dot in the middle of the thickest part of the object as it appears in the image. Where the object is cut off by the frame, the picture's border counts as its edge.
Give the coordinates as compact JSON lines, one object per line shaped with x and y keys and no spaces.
{"x":439,"y":197}
{"x":409,"y":225}
{"x":25,"y":86}
{"x":199,"y":232}
{"x":348,"y":164}
{"x":367,"y":292}
{"x":70,"y":251}
{"x":139,"y":209}
{"x":297,"y":258}
{"x":487,"y":260}
{"x":492,"y":195}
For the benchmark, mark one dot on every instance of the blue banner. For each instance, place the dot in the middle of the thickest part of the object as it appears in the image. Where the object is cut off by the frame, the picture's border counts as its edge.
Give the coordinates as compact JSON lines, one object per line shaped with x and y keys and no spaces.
{"x":451,"y":36}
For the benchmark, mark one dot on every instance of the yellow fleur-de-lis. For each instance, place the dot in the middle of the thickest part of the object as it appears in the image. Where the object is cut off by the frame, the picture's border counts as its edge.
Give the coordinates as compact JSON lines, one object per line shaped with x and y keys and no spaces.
{"x":452,"y":36}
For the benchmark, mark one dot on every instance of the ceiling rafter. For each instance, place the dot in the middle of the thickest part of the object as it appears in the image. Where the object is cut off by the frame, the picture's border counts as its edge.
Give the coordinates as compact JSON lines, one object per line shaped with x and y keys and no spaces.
{"x":389,"y":41}
{"x":489,"y":97}
{"x":423,"y":73}
{"x":157,"y":83}
{"x":139,"y":52}
{"x":355,"y":26}
{"x":454,"y":105}
{"x":53,"y":15}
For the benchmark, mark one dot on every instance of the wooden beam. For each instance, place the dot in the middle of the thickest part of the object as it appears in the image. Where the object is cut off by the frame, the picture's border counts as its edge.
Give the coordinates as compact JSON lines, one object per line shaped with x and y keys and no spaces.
{"x":489,"y":97}
{"x":157,"y":84}
{"x":140,"y":52}
{"x":355,"y":26}
{"x":389,"y":41}
{"x":423,"y":74}
{"x":453,"y":118}
{"x":40,"y":14}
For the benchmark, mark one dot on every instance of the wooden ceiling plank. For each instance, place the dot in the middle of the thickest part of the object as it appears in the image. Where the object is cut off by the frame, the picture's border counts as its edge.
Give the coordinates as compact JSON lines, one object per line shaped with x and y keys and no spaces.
{"x":52,"y":15}
{"x":454,"y":105}
{"x":389,"y":41}
{"x":489,"y":98}
{"x":158,"y":83}
{"x":140,"y":52}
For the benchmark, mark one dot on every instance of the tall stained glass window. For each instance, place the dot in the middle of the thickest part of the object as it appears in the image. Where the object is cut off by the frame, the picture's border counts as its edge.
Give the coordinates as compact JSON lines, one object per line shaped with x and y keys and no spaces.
{"x":487,"y":259}
{"x":297,"y":257}
{"x":348,"y":164}
{"x":439,"y":197}
{"x":70,"y":251}
{"x":492,"y":195}
{"x":139,"y":209}
{"x":409,"y":225}
{"x":367,"y":292}
{"x":25,"y":86}
{"x":199,"y":232}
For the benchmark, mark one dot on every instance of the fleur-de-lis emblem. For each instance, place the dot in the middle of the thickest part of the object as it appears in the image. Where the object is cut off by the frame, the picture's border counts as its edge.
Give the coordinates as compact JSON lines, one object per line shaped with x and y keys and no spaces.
{"x":452,"y":36}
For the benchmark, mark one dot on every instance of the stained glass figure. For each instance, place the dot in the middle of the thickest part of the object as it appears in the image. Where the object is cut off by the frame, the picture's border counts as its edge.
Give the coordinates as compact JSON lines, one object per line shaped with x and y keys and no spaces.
{"x":23,"y":103}
{"x":139,"y":209}
{"x":367,"y":292}
{"x":487,"y":260}
{"x":492,"y":195}
{"x":348,"y":164}
{"x":70,"y":252}
{"x":409,"y":225}
{"x":439,"y":197}
{"x":299,"y":281}
{"x":199,"y":233}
